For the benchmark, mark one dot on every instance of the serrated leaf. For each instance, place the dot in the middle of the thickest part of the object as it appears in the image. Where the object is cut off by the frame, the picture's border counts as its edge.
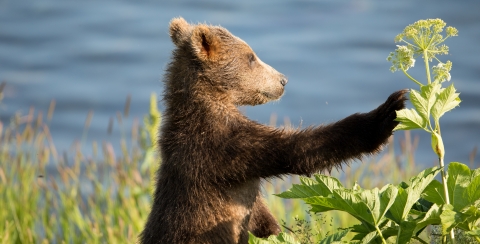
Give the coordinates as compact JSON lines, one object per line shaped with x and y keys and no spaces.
{"x":369,"y":237}
{"x":342,"y":201}
{"x":334,"y":237}
{"x":255,"y":240}
{"x":409,"y":119}
{"x":368,"y":206}
{"x":378,"y":202}
{"x":419,"y":103}
{"x":473,"y":232}
{"x":434,"y":193}
{"x":404,"y":127}
{"x":387,"y":198}
{"x":322,"y":204}
{"x":324,"y":186}
{"x":446,"y":101}
{"x":408,"y":197}
{"x":282,"y":238}
{"x":406,"y":232}
{"x":363,"y":229}
{"x":475,"y":173}
{"x":328,"y":183}
{"x":472,"y":193}
{"x":429,"y":93}
{"x":390,"y":231}
{"x":450,"y":218}
{"x":353,"y":204}
{"x":457,"y":182}
{"x":396,"y":210}
{"x":432,"y":217}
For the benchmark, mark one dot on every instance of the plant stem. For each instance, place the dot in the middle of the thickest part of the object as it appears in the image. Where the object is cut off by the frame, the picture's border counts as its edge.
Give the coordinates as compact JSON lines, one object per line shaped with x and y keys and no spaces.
{"x":410,"y":77}
{"x":427,"y":68}
{"x":380,"y":234}
{"x":444,"y":181}
{"x":445,"y":190}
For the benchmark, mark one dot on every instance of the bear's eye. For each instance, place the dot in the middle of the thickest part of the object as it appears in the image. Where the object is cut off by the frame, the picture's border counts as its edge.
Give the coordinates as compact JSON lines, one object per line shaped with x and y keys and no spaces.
{"x":251,"y":59}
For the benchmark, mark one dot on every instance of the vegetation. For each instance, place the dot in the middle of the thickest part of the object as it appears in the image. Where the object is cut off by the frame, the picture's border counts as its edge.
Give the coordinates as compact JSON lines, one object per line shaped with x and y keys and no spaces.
{"x":47,"y":197}
{"x":400,"y":213}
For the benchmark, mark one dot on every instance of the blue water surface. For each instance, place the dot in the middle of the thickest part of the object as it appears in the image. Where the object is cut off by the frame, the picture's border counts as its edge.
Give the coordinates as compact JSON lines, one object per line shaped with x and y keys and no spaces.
{"x":91,"y":55}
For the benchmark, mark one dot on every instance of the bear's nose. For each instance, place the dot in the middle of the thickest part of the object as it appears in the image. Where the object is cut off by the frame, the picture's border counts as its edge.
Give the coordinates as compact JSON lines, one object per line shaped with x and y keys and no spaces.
{"x":283,"y":81}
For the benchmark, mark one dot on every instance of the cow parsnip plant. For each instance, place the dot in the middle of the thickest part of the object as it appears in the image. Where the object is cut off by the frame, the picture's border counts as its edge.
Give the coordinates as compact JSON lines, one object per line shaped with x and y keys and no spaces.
{"x":424,"y":39}
{"x":399,"y":213}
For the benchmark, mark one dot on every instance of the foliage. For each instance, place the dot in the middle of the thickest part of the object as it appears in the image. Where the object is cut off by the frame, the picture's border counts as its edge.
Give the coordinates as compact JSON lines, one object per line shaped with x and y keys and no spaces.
{"x":464,"y":211}
{"x":401,"y":212}
{"x":283,"y":238}
{"x":50,"y":198}
{"x":382,"y":213}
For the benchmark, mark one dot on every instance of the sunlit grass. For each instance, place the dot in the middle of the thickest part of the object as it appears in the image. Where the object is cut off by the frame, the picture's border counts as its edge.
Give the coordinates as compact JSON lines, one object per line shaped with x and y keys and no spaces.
{"x":46,"y":197}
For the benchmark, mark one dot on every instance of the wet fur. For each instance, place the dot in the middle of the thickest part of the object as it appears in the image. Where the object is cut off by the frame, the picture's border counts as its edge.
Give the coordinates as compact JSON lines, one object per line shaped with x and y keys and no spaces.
{"x":213,"y":157}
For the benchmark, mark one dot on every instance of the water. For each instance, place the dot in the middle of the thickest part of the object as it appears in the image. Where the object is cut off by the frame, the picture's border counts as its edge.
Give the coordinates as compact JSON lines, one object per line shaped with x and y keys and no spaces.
{"x":90,"y":55}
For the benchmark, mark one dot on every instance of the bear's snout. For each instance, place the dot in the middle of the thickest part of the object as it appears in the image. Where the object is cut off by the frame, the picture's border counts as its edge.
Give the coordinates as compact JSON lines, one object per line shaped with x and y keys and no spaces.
{"x":283,"y":81}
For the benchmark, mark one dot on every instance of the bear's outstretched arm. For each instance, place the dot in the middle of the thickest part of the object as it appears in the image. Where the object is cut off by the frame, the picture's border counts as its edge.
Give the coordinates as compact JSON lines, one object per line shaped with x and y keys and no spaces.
{"x":262,"y":151}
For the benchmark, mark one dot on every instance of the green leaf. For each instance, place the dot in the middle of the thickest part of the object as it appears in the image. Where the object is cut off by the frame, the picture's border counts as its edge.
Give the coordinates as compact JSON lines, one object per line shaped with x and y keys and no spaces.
{"x":420,"y":103}
{"x":328,"y":183}
{"x":475,"y":232}
{"x":368,"y":206}
{"x":396,"y":211}
{"x":322,"y":204}
{"x":342,"y":201}
{"x":450,"y":218}
{"x":387,"y":198}
{"x":334,"y":237}
{"x":432,"y":217}
{"x":434,"y":193}
{"x":363,"y":229}
{"x":472,"y":193}
{"x":390,"y":231}
{"x":429,"y":93}
{"x":446,"y":101}
{"x":324,"y":186}
{"x":457,"y":182}
{"x":255,"y":240}
{"x":282,"y":238}
{"x":408,"y":197}
{"x":379,"y":202}
{"x":352,"y":204}
{"x":409,"y":119}
{"x":406,"y":232}
{"x":369,"y":237}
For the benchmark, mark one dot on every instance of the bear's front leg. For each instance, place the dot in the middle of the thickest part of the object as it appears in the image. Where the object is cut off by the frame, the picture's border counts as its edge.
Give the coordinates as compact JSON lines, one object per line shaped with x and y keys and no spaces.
{"x":379,"y":123}
{"x":262,"y":223}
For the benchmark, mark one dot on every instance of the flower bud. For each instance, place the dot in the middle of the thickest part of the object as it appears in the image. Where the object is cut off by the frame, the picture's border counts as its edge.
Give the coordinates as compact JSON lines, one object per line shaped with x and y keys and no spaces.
{"x":437,"y":145}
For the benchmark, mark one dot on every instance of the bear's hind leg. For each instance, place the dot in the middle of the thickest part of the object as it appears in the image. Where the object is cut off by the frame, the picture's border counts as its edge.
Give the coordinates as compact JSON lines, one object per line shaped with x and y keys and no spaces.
{"x":262,"y":223}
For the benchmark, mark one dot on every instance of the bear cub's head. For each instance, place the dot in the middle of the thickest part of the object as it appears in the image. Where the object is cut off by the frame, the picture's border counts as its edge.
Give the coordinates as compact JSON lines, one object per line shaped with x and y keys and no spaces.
{"x":224,"y":64}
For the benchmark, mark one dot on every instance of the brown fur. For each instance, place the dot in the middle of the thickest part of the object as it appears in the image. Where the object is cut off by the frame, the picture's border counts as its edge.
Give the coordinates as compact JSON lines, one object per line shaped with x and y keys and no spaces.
{"x":213,"y":157}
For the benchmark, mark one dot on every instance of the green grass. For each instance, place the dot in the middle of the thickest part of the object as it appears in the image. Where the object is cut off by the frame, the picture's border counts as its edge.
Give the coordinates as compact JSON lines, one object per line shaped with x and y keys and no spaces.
{"x":47,"y":197}
{"x":52,"y":197}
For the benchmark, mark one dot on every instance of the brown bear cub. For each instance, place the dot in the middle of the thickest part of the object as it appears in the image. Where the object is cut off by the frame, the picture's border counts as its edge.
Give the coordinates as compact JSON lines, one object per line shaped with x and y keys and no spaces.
{"x":213,"y":157}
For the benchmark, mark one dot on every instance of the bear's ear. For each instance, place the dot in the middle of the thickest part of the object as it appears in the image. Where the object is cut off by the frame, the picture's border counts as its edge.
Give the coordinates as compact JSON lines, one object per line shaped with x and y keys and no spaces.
{"x":206,"y":44}
{"x":179,"y":30}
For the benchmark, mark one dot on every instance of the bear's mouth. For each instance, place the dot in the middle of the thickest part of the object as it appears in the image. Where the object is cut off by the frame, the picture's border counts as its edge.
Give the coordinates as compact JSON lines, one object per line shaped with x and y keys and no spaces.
{"x":272,"y":96}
